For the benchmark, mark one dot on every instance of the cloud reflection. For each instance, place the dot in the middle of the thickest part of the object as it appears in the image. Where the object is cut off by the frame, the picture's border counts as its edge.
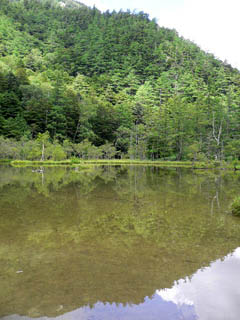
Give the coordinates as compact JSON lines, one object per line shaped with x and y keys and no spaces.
{"x":214,"y":291}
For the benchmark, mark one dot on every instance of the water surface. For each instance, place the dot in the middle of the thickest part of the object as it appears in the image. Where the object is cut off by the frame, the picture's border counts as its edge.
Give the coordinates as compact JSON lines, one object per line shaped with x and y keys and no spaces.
{"x":118,"y":243}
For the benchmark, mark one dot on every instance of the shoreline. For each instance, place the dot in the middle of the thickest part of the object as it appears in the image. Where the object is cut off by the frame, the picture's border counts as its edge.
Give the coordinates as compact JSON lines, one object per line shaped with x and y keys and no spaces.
{"x":84,"y":163}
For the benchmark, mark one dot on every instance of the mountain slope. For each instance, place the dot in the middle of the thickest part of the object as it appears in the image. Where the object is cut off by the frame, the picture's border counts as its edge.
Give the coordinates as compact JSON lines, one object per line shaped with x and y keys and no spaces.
{"x":113,"y":78}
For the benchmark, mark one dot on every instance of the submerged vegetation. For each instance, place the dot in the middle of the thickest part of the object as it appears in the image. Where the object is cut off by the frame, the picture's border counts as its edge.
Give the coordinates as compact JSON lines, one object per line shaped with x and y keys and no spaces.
{"x":110,"y":85}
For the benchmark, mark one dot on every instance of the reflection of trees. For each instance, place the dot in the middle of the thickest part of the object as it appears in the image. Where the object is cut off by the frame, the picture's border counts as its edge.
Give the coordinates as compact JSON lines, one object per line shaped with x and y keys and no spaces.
{"x":107,"y":234}
{"x":47,"y":181}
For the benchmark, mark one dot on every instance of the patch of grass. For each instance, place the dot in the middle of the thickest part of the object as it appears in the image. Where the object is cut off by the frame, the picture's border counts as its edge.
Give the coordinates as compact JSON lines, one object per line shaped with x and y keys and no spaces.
{"x":47,"y":163}
{"x":138,"y":162}
{"x":39,"y":163}
{"x":235,"y":207}
{"x":75,"y":161}
{"x":159,"y":163}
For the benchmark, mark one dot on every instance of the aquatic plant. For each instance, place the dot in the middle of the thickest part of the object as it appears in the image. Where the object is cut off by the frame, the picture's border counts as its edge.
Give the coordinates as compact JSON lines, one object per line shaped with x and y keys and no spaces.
{"x":235,"y":207}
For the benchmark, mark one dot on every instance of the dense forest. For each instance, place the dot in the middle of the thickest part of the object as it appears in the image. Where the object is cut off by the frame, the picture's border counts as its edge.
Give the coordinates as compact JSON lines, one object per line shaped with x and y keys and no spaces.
{"x":112,"y":84}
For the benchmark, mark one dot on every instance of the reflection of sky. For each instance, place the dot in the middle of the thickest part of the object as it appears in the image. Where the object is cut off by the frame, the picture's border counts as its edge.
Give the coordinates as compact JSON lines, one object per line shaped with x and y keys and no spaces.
{"x":212,"y":293}
{"x":152,"y":309}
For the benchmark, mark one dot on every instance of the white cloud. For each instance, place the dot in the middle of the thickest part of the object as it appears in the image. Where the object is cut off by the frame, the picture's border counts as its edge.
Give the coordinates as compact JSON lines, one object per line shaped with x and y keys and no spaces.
{"x":175,"y":294}
{"x":97,"y":3}
{"x":212,"y":24}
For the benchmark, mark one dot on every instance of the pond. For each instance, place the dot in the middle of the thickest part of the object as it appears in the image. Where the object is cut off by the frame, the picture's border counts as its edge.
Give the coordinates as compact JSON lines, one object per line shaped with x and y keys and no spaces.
{"x":118,"y":242}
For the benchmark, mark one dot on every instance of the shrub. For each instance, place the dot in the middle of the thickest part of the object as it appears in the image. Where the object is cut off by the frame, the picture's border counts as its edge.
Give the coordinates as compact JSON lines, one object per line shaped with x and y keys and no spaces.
{"x":236,"y":164}
{"x":75,"y":160}
{"x":235,"y":207}
{"x":56,"y":152}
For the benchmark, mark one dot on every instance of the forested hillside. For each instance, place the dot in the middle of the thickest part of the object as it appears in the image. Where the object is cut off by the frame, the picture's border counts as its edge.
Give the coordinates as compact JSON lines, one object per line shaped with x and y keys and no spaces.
{"x":110,"y":84}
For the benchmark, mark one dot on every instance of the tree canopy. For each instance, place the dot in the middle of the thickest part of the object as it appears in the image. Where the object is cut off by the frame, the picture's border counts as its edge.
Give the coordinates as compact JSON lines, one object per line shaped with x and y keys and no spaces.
{"x":113,"y":78}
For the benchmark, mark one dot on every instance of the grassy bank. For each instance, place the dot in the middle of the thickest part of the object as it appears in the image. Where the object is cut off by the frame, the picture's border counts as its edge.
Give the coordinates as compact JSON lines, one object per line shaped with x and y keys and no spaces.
{"x":186,"y":164}
{"x":47,"y":163}
{"x":172,"y":164}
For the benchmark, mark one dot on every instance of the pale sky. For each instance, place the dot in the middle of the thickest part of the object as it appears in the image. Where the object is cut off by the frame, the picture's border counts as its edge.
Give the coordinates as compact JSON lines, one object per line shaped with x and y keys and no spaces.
{"x":213,"y":25}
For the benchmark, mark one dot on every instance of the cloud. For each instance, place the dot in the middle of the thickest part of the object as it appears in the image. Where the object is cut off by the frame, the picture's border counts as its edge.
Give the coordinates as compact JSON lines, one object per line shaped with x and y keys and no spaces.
{"x":213,"y":25}
{"x":97,"y":3}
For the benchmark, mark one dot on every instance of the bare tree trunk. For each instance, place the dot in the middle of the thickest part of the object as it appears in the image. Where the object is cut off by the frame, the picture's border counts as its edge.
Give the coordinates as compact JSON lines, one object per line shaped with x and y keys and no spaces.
{"x":43,"y":150}
{"x":216,"y":136}
{"x":136,"y":142}
{"x":131,"y":145}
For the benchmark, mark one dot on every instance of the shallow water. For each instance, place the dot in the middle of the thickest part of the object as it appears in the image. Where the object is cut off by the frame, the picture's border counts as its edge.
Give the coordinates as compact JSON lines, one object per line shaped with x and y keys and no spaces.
{"x":118,"y":243}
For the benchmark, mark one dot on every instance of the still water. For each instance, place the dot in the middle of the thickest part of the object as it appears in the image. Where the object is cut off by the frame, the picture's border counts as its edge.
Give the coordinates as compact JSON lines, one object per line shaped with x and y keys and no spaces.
{"x":121,"y":243}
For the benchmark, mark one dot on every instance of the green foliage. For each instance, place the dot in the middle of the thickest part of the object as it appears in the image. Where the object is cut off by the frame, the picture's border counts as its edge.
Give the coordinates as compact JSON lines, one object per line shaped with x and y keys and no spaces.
{"x":56,"y":152}
{"x":75,"y":160}
{"x":236,"y":164}
{"x":108,"y":151}
{"x":9,"y":149}
{"x":110,"y":85}
{"x":235,"y":207}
